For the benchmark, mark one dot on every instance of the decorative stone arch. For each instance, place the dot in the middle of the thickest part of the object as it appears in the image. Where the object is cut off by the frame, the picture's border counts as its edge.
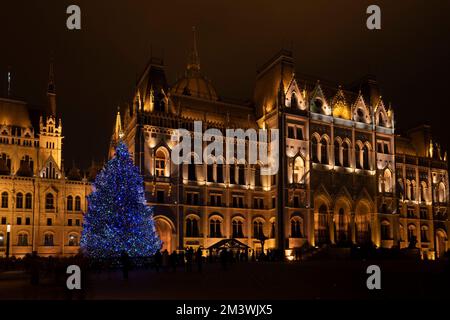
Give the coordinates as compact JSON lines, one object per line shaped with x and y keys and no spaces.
{"x":441,"y":242}
{"x":385,"y":181}
{"x":424,"y":233}
{"x":192,"y":225}
{"x":296,"y":169}
{"x":50,"y":169}
{"x":238,"y":223}
{"x":401,"y":232}
{"x":73,"y":239}
{"x":324,"y":149}
{"x":192,"y":171}
{"x":360,"y":111}
{"x":165,"y":229}
{"x":272,"y":222}
{"x":424,"y":191}
{"x":315,"y":147}
{"x":216,"y":227}
{"x":381,"y":116}
{"x":258,"y":226}
{"x":386,"y":230}
{"x":363,"y":228}
{"x":318,"y":102}
{"x":294,"y":98}
{"x":162,"y":161}
{"x":342,"y":213}
{"x":322,"y":205}
{"x":23,"y":241}
{"x":412,"y":231}
{"x":49,"y":238}
{"x":441,"y":192}
{"x":297,"y":227}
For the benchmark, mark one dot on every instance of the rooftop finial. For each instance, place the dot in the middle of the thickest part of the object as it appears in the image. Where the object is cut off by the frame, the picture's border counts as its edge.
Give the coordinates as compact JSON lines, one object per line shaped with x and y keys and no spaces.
{"x":51,"y":89}
{"x":118,"y":133}
{"x":194,"y":62}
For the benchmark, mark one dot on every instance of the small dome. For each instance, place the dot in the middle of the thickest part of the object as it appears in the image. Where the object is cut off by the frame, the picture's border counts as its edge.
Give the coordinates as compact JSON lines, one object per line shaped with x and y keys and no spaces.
{"x":195,"y":85}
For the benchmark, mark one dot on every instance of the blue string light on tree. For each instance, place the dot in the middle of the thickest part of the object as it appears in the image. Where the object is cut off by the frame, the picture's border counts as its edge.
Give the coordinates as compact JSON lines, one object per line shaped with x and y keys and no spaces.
{"x":118,"y":219}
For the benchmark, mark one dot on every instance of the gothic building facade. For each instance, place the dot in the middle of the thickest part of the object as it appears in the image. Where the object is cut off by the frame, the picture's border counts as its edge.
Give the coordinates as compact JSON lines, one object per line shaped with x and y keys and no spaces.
{"x":345,"y":176}
{"x":41,"y":207}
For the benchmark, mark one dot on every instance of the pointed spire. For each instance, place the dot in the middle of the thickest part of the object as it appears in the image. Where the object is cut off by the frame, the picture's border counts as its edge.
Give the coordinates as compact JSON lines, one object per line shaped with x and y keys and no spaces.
{"x":51,"y":89}
{"x":194,"y":62}
{"x":118,"y":133}
{"x":51,"y":79}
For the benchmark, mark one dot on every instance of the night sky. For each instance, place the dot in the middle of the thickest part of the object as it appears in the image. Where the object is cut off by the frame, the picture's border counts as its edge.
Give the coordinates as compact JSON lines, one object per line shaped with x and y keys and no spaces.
{"x":96,"y":67}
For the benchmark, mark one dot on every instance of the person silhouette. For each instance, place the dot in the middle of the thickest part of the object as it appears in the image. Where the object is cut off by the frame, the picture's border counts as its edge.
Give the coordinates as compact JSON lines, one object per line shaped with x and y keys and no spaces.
{"x":199,"y":259}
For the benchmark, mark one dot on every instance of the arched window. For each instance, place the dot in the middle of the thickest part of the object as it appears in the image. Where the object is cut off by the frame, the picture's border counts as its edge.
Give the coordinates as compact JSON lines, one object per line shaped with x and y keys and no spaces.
{"x":48,"y":240}
{"x":257,"y":175}
{"x":366,"y":164}
{"x":359,"y":151}
{"x":50,"y":171}
{"x":423,"y":191}
{"x":382,"y":121}
{"x":401,"y":232}
{"x":237,"y":228}
{"x":294,"y":100}
{"x":408,"y":189}
{"x":232,"y":173}
{"x":28,"y":201}
{"x":192,"y":227}
{"x":324,"y":151}
{"x":296,"y":228}
{"x":387,"y":181}
{"x":442,"y":197}
{"x":385,"y":230}
{"x":341,"y":226}
{"x":241,"y":174}
{"x":258,"y":229}
{"x":210,"y":172}
{"x":19,"y":200}
{"x":362,"y":222}
{"x":22,"y":240}
{"x":73,"y":240}
{"x":337,"y":153}
{"x":69,"y":203}
{"x":4,"y":199}
{"x":411,"y":232}
{"x":321,"y":225}
{"x":77,"y":203}
{"x":314,"y":151}
{"x":219,"y":173}
{"x":424,"y":234}
{"x":345,"y":151}
{"x":299,"y":170}
{"x":192,"y":174}
{"x":162,"y":163}
{"x":413,"y":190}
{"x":215,"y":228}
{"x":49,"y":201}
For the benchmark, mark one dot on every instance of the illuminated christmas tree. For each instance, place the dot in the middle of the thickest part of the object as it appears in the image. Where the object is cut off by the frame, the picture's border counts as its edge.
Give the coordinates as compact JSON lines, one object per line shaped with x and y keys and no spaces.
{"x":118,"y":219}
